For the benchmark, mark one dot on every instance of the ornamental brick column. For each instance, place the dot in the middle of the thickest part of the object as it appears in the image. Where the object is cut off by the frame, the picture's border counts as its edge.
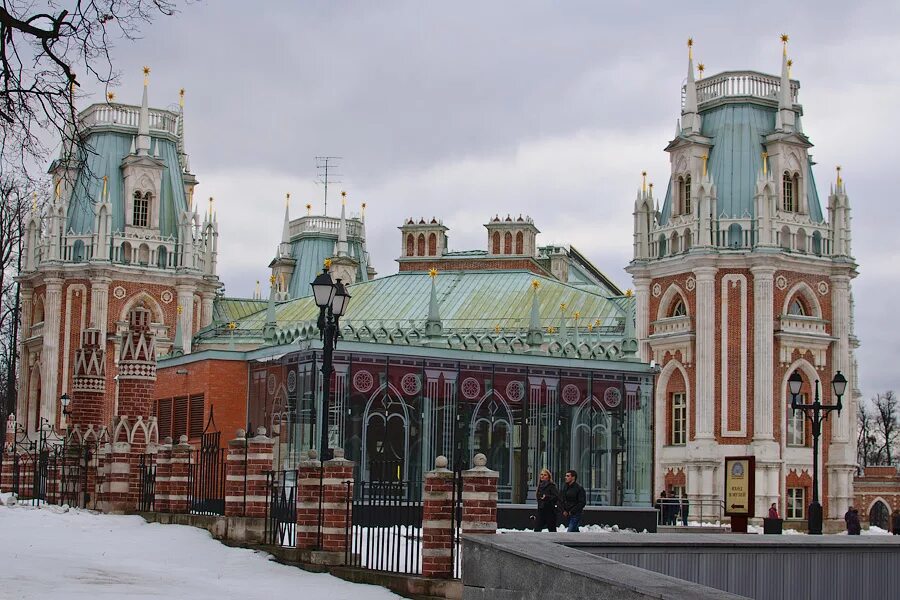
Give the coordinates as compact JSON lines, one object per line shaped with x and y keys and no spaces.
{"x":308,"y":502}
{"x":335,"y":508}
{"x":137,"y":367}
{"x":479,"y":498}
{"x":437,"y":521}
{"x":248,"y":461}
{"x":179,"y":476}
{"x":163,"y":476}
{"x":89,"y":381}
{"x":118,"y":479}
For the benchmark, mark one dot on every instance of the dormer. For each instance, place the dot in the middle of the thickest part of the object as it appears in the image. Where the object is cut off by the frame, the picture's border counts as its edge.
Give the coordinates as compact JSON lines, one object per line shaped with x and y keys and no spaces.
{"x":423,"y":238}
{"x":511,"y":236}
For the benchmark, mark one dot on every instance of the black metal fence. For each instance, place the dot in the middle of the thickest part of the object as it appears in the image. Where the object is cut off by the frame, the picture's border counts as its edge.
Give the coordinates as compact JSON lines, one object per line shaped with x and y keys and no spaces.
{"x":281,"y":508}
{"x":386,"y":529}
{"x":147,"y":500}
{"x":206,"y":480}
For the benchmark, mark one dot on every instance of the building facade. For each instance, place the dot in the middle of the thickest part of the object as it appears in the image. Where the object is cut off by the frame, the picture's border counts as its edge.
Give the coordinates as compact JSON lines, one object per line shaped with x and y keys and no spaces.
{"x":741,"y":279}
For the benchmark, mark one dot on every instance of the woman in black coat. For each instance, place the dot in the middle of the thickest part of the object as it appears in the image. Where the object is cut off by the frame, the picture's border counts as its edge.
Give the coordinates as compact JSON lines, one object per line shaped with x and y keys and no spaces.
{"x":547,"y":500}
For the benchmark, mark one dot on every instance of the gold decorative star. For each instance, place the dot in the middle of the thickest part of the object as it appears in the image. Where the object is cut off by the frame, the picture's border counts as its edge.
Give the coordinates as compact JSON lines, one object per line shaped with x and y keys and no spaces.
{"x":272,"y":279}
{"x":146,"y":70}
{"x":629,"y":293}
{"x":110,"y":96}
{"x":784,"y":38}
{"x":701,"y":67}
{"x":551,"y":329}
{"x":577,"y":315}
{"x":790,"y":63}
{"x":562,"y":307}
{"x":496,"y":329}
{"x":180,"y":309}
{"x":690,"y":42}
{"x":432,"y":272}
{"x":535,"y":284}
{"x":364,"y":205}
{"x":327,"y":263}
{"x":232,"y":325}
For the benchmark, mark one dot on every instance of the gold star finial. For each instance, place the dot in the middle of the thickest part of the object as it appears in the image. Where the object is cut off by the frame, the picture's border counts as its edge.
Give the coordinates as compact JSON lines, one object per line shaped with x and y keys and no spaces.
{"x":590,"y":327}
{"x":272,"y":279}
{"x":790,"y":63}
{"x":629,"y":293}
{"x":146,"y":76}
{"x":327,"y":263}
{"x":232,"y":325}
{"x":287,"y":199}
{"x":691,"y":48}
{"x":577,"y":315}
{"x":551,"y":329}
{"x":838,"y":169}
{"x":701,"y":67}
{"x":563,"y":307}
{"x":535,"y":284}
{"x":432,"y":272}
{"x":643,"y":181}
{"x":308,"y":209}
{"x":784,"y":42}
{"x":110,"y":96}
{"x":765,"y":163}
{"x":496,"y":328}
{"x":343,"y":198}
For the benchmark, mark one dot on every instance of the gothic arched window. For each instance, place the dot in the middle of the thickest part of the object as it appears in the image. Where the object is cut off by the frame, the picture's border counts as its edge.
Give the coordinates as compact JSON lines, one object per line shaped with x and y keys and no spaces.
{"x":678,"y":309}
{"x":432,"y":244}
{"x":410,"y":245}
{"x":686,"y":201}
{"x":520,"y":243}
{"x":495,"y":244}
{"x":788,"y":191}
{"x":507,"y":243}
{"x":140,"y":216}
{"x":421,"y":245}
{"x":796,"y":308}
{"x":679,"y":198}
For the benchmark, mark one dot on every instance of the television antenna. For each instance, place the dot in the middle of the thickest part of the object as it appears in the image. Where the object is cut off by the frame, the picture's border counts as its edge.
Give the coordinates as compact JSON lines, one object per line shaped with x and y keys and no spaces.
{"x":326,"y":170}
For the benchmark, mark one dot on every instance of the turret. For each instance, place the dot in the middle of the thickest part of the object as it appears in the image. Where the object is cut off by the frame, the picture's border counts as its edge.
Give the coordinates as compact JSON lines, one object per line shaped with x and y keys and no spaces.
{"x":512,"y":236}
{"x":690,"y":117}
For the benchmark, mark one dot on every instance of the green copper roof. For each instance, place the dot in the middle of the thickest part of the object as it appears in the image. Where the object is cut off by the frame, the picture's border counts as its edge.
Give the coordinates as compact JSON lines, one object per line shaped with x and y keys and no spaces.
{"x":310,"y":252}
{"x":107,"y":149}
{"x":226,"y":310}
{"x":737,"y":131}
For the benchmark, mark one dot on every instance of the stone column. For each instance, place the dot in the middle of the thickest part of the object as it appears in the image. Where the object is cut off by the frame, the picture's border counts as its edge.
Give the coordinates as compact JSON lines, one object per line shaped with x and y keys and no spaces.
{"x":763,"y":352}
{"x":25,"y":313}
{"x":479,"y":498}
{"x":186,"y":302}
{"x":840,"y":356}
{"x":437,"y":521}
{"x":705,"y":355}
{"x":308,"y":502}
{"x":206,"y":308}
{"x":100,"y":305}
{"x":247,"y":464}
{"x":642,"y":316}
{"x":335,"y":507}
{"x":180,"y":476}
{"x":50,"y":351}
{"x":163,"y":477}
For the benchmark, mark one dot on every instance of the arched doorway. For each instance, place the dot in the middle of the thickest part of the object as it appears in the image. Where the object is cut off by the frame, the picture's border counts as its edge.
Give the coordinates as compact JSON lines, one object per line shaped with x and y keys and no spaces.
{"x":491,"y":435}
{"x":591,"y":451}
{"x":385,"y":439}
{"x":879,"y":515}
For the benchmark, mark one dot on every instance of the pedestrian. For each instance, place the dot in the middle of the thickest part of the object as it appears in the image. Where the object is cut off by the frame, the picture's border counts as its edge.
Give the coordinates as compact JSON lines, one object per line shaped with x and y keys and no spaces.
{"x":670,"y":507}
{"x":895,"y":522}
{"x":573,"y":500}
{"x":547,"y":501}
{"x":773,"y":512}
{"x":685,"y":507}
{"x":851,"y":518}
{"x":658,"y":505}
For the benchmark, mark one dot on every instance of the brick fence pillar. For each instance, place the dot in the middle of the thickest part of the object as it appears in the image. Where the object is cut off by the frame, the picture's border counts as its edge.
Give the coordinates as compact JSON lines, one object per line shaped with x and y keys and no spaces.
{"x":118,"y":478}
{"x":179,"y":476}
{"x":245,"y":474}
{"x":479,"y":498}
{"x":335,"y":506}
{"x":163,"y":476}
{"x":308,"y":502}
{"x":437,"y":521}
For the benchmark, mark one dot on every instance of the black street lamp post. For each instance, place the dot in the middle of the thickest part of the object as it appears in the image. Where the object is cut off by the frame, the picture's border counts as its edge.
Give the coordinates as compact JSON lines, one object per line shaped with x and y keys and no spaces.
{"x":817,"y":413}
{"x":332,"y":299}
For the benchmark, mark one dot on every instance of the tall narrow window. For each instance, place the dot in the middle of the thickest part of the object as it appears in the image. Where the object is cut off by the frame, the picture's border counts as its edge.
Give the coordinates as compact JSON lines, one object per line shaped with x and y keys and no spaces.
{"x":796,"y":502}
{"x":796,"y":424}
{"x":432,"y":244}
{"x":420,"y":245}
{"x":140,"y":216}
{"x":520,"y":243}
{"x":686,"y":205}
{"x":797,"y":202}
{"x":679,"y":419}
{"x":676,"y":210}
{"x":507,"y":243}
{"x":410,"y":245}
{"x":788,"y":191}
{"x":796,"y":308}
{"x":495,"y":243}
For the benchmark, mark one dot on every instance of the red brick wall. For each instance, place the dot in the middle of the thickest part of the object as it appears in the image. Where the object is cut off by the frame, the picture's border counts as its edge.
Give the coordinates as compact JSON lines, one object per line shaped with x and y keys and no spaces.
{"x":223,"y":384}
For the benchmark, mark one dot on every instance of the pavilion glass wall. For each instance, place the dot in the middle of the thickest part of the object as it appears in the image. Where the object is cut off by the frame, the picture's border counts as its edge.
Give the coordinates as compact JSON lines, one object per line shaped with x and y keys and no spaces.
{"x":394,"y":415}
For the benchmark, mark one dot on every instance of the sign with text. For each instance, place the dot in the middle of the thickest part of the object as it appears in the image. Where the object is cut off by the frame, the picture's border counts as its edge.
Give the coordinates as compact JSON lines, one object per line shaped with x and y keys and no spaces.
{"x":740,"y":476}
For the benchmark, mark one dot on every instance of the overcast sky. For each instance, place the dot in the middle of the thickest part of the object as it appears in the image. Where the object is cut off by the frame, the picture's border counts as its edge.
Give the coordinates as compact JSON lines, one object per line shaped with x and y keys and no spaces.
{"x":552,"y":109}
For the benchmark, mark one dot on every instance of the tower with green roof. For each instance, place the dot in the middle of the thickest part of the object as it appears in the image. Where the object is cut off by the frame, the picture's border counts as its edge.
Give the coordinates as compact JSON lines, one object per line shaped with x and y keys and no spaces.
{"x":122,"y":231}
{"x":741,"y":279}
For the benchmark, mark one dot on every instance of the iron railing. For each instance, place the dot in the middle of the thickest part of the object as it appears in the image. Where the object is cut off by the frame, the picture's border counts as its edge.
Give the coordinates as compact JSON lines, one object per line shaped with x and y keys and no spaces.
{"x":281,"y":508}
{"x":148,"y":483}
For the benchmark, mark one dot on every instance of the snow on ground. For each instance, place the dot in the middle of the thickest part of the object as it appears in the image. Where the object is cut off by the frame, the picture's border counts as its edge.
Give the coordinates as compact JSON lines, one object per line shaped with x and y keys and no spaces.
{"x":581,"y":529}
{"x":54,"y":552}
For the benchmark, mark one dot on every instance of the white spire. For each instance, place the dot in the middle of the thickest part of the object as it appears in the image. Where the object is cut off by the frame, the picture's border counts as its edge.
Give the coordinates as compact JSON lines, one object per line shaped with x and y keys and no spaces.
{"x":143,"y":139}
{"x":786,"y":114}
{"x":285,"y":249}
{"x":690,"y":120}
{"x":341,"y":248}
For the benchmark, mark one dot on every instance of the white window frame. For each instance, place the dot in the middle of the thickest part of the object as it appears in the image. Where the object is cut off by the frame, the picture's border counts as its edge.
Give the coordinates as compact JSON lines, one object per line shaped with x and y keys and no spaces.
{"x":679,"y":419}
{"x":793,"y":437}
{"x":795,"y":510}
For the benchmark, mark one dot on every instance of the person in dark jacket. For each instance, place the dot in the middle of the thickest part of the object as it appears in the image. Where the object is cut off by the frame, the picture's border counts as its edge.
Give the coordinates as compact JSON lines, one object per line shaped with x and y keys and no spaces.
{"x":660,"y":506}
{"x":851,"y":517}
{"x":685,"y":509}
{"x":773,"y":511}
{"x":895,"y":522}
{"x":547,"y":500}
{"x":573,"y":500}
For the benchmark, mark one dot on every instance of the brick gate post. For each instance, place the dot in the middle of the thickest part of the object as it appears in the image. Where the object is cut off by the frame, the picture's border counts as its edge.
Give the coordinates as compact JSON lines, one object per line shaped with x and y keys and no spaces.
{"x":308,"y":502}
{"x":163,"y":476}
{"x":179,"y":477}
{"x":437,"y":521}
{"x":335,"y":512}
{"x":251,"y":466}
{"x":479,"y":498}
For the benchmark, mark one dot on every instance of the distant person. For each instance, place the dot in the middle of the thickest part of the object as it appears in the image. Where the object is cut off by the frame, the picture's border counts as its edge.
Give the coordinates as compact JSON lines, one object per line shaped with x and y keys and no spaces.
{"x":773,"y":512}
{"x":895,"y":522}
{"x":573,"y":500}
{"x":851,"y":517}
{"x":547,"y":501}
{"x":660,"y":507}
{"x":685,"y":507}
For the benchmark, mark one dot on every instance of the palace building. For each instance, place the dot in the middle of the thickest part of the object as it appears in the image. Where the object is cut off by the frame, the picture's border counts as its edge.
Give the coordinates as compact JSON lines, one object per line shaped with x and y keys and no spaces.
{"x":742,"y":277}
